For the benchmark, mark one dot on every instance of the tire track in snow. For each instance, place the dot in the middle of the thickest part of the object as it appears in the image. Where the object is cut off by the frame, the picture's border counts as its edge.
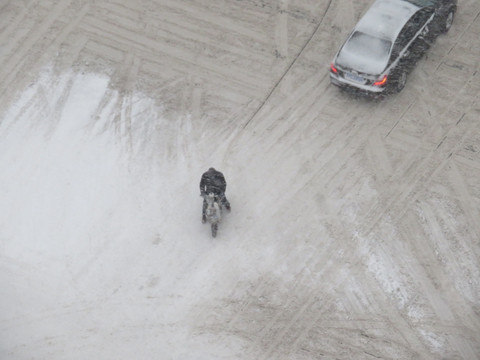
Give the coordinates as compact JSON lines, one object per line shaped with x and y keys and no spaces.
{"x":14,"y":43}
{"x":14,"y":64}
{"x":288,"y":68}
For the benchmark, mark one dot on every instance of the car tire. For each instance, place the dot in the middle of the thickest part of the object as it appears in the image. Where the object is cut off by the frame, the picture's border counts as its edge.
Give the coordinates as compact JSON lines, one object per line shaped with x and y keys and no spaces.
{"x":399,"y":81}
{"x":447,"y":21}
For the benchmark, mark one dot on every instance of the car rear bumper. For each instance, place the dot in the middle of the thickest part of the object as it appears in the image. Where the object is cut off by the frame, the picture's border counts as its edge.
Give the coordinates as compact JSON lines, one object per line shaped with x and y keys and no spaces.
{"x":342,"y":82}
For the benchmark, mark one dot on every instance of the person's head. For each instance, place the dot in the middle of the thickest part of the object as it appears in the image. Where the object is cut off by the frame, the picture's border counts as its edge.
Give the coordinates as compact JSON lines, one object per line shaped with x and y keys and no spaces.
{"x":211,"y":169}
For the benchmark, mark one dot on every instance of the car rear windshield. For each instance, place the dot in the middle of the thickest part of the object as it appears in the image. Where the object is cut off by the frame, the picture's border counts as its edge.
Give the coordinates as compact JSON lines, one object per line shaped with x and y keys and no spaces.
{"x":365,"y":53}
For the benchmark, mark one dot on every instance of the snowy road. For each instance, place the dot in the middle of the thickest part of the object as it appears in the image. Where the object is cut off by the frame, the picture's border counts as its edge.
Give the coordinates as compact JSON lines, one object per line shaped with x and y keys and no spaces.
{"x":354,"y":231}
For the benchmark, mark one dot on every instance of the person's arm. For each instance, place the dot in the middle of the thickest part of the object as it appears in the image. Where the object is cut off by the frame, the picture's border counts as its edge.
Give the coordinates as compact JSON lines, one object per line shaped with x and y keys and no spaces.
{"x":224,"y":183}
{"x":202,"y":185}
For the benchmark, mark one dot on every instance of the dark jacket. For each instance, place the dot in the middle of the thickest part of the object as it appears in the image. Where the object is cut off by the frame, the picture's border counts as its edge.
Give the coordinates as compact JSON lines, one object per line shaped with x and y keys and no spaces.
{"x":213,"y":181}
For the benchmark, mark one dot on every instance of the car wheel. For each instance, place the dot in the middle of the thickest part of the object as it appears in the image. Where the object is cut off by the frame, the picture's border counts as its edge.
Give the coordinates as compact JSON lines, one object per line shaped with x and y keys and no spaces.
{"x":447,"y":24}
{"x":400,"y":81}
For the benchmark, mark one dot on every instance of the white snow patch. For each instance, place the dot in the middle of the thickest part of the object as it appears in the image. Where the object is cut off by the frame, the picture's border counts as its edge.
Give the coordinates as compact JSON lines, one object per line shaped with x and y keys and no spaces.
{"x":436,"y":342}
{"x":86,"y":225}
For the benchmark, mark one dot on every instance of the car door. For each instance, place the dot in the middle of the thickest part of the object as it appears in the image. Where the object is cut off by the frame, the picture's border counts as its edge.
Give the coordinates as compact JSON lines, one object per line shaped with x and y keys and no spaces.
{"x":399,"y":48}
{"x":411,"y":42}
{"x":421,"y":33}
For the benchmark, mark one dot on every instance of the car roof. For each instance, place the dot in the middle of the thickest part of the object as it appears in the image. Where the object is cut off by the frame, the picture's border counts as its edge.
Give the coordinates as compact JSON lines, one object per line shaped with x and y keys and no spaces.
{"x":386,"y":18}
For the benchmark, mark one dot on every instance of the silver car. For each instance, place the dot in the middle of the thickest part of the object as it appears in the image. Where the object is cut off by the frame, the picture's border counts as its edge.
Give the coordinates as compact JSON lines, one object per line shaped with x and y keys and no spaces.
{"x":390,"y":37}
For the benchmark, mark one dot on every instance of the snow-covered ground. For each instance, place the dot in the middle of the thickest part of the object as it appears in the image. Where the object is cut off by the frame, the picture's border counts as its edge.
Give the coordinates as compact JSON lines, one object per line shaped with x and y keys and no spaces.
{"x":354,"y":229}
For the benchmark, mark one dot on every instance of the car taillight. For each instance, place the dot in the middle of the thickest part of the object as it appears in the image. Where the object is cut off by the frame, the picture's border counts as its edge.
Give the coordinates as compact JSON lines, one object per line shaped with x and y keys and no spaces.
{"x":381,"y":82}
{"x":334,"y":69}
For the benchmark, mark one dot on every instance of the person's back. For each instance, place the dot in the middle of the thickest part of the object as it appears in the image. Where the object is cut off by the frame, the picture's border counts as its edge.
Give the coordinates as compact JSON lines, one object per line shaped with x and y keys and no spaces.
{"x":213,"y":181}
